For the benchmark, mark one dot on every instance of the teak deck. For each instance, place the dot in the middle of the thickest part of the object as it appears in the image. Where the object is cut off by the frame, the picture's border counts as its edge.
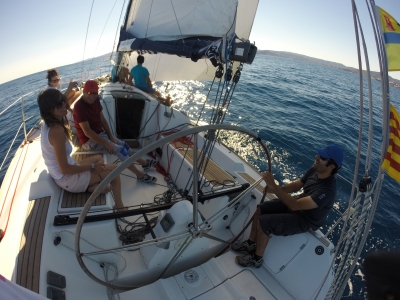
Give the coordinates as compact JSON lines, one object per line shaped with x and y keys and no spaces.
{"x":28,"y":268}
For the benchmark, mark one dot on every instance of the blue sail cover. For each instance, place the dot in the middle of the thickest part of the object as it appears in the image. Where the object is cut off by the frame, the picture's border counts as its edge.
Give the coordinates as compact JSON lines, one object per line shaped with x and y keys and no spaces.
{"x":192,"y":47}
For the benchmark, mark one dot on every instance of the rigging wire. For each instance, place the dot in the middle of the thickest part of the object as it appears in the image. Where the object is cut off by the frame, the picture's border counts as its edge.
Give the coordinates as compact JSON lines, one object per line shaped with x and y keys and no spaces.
{"x":87,"y":31}
{"x":116,"y":33}
{"x":102,"y":33}
{"x":359,"y":226}
{"x":148,"y":19}
{"x":177,"y":22}
{"x":339,"y":268}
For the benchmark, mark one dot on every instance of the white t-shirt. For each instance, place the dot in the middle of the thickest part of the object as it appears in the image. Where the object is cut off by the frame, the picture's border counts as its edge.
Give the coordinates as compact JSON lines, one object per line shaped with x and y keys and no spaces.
{"x":49,"y":154}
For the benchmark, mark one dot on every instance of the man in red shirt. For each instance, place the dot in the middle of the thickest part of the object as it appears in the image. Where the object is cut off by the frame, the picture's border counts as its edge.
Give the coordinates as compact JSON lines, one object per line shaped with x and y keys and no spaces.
{"x":95,"y":134}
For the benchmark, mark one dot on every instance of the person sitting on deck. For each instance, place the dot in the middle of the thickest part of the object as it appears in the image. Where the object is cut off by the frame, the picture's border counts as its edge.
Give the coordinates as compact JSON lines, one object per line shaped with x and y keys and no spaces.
{"x":290,"y":215}
{"x":53,"y":80}
{"x":95,"y":135}
{"x":142,"y":81}
{"x":56,"y":150}
{"x":123,"y":76}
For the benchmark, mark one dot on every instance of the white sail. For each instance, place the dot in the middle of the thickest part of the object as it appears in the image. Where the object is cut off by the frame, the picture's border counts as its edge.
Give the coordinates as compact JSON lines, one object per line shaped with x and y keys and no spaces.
{"x":170,"y":20}
{"x":196,"y":19}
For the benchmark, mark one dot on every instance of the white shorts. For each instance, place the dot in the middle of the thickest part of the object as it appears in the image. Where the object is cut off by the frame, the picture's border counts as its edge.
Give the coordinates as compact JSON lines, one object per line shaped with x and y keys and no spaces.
{"x":74,"y":183}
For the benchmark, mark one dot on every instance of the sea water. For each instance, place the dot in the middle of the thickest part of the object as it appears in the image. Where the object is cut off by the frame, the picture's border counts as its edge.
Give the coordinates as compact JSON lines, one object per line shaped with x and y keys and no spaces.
{"x":293,"y":106}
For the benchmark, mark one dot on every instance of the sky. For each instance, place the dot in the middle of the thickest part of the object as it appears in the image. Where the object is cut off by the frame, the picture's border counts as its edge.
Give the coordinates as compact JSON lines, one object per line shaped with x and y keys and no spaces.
{"x":42,"y":34}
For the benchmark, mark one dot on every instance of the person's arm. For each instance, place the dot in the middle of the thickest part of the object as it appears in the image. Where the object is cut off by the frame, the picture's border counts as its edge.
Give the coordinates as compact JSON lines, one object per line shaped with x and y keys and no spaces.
{"x":106,"y":128}
{"x":57,"y":139}
{"x":292,"y":203}
{"x":95,"y":137}
{"x":149,"y":81}
{"x":129,"y":78}
{"x":72,"y":84}
{"x":292,"y":186}
{"x":126,"y":76}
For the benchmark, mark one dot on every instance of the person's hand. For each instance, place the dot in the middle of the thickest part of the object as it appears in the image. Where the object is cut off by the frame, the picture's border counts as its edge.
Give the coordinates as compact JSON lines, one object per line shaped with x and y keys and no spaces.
{"x":72,"y":84}
{"x":110,"y":148}
{"x":112,"y":139}
{"x":269,"y":180}
{"x":99,"y":167}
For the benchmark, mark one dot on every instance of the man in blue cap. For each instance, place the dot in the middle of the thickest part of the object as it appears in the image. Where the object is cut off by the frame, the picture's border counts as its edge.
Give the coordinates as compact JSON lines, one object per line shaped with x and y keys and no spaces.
{"x":288,"y":215}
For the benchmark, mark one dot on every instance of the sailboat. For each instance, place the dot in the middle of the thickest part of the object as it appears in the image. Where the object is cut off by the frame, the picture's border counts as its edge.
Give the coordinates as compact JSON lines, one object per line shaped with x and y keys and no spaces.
{"x":58,"y":244}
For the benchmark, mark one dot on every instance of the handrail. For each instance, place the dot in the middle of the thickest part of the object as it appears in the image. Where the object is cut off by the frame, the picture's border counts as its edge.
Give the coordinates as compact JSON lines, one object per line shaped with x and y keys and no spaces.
{"x":17,"y":101}
{"x":23,"y":123}
{"x":12,"y":143}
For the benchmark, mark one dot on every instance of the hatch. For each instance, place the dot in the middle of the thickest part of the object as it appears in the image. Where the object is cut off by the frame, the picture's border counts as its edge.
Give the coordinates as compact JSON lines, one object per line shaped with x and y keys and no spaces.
{"x":128,"y":114}
{"x":282,"y":249}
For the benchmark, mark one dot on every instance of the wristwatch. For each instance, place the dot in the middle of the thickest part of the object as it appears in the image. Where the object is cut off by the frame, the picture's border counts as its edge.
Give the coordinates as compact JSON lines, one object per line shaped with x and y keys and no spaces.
{"x":92,"y":168}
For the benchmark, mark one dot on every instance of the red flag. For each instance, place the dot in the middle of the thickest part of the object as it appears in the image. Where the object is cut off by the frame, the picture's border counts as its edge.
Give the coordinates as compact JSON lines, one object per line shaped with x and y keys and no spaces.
{"x":392,"y":159}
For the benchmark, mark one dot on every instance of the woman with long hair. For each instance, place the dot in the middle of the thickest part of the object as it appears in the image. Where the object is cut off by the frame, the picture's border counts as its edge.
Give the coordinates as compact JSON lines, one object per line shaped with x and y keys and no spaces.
{"x":56,"y":150}
{"x":53,"y":79}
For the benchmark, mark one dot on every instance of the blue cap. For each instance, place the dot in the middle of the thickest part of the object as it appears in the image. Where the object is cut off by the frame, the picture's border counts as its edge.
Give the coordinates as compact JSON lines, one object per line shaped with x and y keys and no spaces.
{"x":333,"y":152}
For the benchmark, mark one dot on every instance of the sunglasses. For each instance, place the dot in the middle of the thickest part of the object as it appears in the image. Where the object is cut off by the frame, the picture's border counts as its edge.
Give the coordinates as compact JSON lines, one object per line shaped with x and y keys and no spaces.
{"x":92,"y":93}
{"x":322,"y":158}
{"x":55,"y":80}
{"x":59,"y":103}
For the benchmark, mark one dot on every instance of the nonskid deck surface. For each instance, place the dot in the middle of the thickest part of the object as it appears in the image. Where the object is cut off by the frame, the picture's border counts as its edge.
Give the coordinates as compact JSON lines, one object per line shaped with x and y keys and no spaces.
{"x":138,"y":264}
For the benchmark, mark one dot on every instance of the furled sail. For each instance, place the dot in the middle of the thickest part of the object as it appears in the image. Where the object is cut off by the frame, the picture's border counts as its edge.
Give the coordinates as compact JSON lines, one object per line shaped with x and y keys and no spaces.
{"x":184,"y":39}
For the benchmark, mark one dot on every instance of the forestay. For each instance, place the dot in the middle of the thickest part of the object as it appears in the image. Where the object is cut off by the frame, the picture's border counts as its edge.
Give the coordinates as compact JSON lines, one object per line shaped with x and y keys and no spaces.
{"x":186,"y":29}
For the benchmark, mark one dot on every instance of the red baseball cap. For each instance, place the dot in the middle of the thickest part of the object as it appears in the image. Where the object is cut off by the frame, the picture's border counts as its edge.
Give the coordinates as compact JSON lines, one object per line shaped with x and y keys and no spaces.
{"x":91,"y":86}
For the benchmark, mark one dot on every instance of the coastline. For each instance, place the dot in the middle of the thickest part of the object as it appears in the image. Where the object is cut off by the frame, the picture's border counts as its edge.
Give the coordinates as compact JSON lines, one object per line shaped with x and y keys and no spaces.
{"x":290,"y":55}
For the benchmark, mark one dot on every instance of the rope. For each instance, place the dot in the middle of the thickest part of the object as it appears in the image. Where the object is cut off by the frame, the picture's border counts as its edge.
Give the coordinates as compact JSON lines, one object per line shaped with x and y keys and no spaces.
{"x":134,"y":232}
{"x":106,"y":266}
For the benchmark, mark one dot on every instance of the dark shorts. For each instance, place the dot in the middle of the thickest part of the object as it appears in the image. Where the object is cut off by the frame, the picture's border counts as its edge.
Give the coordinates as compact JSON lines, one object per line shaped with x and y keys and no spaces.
{"x":278,"y":219}
{"x":147,"y":89}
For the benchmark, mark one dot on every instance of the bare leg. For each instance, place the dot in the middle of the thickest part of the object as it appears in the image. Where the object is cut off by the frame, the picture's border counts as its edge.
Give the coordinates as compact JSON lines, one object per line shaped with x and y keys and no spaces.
{"x":135,"y":171}
{"x":157,"y":94}
{"x":257,"y":234}
{"x":92,"y":160}
{"x":141,"y":161}
{"x":254,"y":226}
{"x":262,"y":240}
{"x":115,"y":183}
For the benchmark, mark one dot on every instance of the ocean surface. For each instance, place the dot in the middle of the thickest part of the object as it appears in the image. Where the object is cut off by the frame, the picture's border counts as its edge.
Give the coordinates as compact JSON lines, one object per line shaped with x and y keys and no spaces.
{"x":293,"y":106}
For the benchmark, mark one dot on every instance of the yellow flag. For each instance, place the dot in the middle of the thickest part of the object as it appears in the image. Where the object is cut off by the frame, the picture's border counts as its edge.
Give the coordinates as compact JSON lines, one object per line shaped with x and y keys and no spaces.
{"x":391,"y":34}
{"x":392,"y":159}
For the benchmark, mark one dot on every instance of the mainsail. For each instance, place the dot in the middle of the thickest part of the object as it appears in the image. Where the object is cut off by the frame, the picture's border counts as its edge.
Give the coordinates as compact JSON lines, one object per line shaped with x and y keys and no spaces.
{"x":185,"y":39}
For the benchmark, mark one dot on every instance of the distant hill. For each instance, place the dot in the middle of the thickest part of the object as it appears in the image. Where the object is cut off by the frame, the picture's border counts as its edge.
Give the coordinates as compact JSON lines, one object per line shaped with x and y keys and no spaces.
{"x":295,"y":56}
